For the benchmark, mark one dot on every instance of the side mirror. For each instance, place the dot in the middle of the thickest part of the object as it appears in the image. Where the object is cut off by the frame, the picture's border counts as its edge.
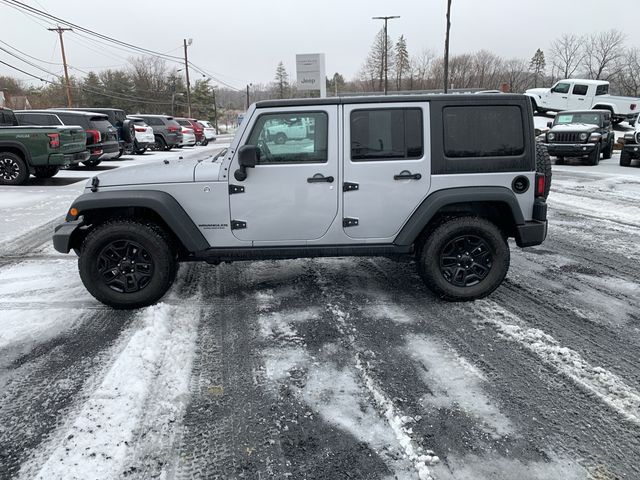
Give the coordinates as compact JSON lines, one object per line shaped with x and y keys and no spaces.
{"x":247,"y":158}
{"x":549,"y":124}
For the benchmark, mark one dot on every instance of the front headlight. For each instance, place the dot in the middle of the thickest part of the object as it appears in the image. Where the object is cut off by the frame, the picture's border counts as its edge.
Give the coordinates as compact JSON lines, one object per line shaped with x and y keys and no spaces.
{"x":551,"y":136}
{"x":637,"y":137}
{"x":584,"y":136}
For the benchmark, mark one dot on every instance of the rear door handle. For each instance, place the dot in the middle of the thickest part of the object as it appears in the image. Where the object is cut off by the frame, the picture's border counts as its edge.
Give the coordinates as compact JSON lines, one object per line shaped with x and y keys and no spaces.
{"x":564,"y":98}
{"x":407,"y":175}
{"x":318,"y":177}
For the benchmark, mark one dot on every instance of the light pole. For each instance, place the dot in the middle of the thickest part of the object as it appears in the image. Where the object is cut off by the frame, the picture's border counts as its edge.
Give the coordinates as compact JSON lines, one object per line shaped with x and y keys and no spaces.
{"x":385,"y":57}
{"x":446,"y":47}
{"x":248,"y":95}
{"x":186,"y":67}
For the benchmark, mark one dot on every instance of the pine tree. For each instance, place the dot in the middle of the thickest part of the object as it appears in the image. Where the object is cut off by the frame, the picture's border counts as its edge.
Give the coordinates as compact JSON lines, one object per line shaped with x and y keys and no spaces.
{"x":372,"y":71}
{"x":537,"y":65}
{"x":282,"y":81}
{"x":401,"y":61}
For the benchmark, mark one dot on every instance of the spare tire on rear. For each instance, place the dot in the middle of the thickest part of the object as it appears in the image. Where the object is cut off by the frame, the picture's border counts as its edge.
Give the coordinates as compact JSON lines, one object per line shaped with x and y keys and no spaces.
{"x":543,"y":166}
{"x":128,"y":131}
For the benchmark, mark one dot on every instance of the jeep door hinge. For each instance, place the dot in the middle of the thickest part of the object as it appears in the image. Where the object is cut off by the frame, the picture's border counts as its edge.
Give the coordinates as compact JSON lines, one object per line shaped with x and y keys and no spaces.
{"x":238,"y":224}
{"x":235,"y":189}
{"x":349,"y":186}
{"x":350,"y":222}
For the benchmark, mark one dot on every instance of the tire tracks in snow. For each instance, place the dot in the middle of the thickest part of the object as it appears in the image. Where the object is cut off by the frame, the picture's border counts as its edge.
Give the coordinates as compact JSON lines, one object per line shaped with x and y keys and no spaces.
{"x":14,"y":250}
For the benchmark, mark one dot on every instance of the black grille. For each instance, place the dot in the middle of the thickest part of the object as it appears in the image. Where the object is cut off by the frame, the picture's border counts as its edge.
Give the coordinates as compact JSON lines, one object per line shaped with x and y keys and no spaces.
{"x":569,"y":137}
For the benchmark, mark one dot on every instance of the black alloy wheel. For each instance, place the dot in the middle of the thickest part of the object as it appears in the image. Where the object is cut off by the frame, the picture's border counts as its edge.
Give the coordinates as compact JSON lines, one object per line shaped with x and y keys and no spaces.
{"x":465,"y":261}
{"x":125,"y":266}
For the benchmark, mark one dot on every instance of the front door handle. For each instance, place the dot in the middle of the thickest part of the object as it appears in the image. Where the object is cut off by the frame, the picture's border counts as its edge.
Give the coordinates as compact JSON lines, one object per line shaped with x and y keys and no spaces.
{"x":564,"y":98}
{"x":318,"y":177}
{"x":407,"y":175}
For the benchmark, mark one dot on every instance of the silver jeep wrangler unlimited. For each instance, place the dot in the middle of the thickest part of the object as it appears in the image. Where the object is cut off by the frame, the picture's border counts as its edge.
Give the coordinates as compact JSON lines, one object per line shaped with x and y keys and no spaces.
{"x":445,"y":178}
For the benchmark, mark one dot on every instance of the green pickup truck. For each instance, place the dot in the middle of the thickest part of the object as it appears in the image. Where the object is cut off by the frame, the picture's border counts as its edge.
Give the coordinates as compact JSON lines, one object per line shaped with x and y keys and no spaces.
{"x":39,"y":151}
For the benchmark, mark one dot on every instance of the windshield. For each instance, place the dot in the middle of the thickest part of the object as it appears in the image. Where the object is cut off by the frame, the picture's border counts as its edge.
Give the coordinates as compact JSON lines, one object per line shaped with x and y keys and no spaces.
{"x":588,"y":118}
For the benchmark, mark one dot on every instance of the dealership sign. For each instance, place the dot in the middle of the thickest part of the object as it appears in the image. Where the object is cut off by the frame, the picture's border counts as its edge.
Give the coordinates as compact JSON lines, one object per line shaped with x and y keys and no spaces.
{"x":310,"y":72}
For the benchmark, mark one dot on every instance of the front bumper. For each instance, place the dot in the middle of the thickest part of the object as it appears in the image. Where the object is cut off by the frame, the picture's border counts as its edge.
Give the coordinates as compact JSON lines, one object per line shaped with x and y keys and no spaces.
{"x":570,"y":149}
{"x":632,"y":149}
{"x":63,"y":235}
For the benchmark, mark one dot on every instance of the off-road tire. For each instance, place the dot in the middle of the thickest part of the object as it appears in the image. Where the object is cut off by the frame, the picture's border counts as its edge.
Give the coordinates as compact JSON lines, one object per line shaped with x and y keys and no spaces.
{"x":140,"y":151}
{"x":607,"y":151}
{"x":91,"y":163}
{"x":625,"y":159}
{"x":594,"y":157}
{"x":13,"y":169}
{"x":46,"y":171}
{"x":428,"y":258}
{"x":543,"y":166}
{"x":158,"y":249}
{"x":280,"y":138}
{"x":128,"y":131}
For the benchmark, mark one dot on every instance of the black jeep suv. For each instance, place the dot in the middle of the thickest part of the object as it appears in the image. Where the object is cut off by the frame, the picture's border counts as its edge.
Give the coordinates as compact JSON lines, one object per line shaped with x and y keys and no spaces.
{"x":581,"y":133}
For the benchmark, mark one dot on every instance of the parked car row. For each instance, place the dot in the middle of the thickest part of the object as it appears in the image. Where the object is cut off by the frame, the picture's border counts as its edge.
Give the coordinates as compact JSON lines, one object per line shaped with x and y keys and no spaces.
{"x":40,"y":142}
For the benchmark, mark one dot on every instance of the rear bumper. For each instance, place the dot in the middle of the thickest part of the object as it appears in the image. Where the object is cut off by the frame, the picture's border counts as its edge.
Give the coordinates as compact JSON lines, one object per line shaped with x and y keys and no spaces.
{"x":64,"y":159}
{"x":533,"y":232}
{"x":63,"y":234}
{"x":570,"y":149}
{"x":104,"y":151}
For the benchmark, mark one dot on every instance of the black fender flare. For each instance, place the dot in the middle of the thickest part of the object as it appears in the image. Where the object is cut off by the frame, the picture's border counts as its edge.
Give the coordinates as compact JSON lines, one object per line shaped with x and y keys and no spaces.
{"x":451,"y":196}
{"x":163,"y":204}
{"x":18,"y":146}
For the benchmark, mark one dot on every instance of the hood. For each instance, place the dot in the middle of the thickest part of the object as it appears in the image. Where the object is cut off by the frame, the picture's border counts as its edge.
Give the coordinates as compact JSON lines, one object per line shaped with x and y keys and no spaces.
{"x":574,"y":127}
{"x":537,"y":91}
{"x":166,"y":171}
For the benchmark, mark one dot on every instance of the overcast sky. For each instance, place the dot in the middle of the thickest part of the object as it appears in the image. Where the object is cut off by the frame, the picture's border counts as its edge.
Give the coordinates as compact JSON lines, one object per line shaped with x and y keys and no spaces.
{"x":242,"y":41}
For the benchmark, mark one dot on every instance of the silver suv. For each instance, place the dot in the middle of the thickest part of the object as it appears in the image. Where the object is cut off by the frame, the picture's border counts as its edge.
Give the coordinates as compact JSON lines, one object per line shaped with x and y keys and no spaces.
{"x":446,"y":179}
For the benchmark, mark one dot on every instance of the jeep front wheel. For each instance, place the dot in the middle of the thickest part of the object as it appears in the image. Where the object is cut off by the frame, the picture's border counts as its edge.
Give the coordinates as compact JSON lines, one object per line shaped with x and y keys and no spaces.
{"x":625,"y":159}
{"x":127,"y":264}
{"x":594,"y":157}
{"x":13,"y":169}
{"x":464,"y":259}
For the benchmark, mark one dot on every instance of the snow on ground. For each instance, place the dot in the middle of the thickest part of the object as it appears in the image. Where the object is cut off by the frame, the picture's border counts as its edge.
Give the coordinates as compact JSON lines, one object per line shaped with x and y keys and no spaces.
{"x":607,"y":386}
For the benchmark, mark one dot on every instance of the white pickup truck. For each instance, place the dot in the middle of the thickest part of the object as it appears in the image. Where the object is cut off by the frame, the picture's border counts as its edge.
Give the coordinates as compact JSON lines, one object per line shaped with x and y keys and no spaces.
{"x":577,"y":94}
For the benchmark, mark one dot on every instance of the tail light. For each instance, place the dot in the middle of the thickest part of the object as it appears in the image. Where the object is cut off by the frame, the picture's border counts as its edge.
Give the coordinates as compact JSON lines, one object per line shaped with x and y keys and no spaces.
{"x":633,"y":106}
{"x":54,"y":140}
{"x":94,"y":135}
{"x":173,"y":128}
{"x":540,"y":185}
{"x":140,"y":129}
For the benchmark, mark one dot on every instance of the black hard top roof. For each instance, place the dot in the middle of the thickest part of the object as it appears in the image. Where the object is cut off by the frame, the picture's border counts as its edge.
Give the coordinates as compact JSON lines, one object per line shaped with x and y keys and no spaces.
{"x":596,"y":110}
{"x":91,"y":109}
{"x":451,"y":97}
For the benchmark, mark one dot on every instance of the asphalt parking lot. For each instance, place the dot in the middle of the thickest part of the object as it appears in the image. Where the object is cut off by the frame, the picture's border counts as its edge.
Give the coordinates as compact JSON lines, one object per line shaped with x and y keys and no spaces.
{"x":328,"y":368}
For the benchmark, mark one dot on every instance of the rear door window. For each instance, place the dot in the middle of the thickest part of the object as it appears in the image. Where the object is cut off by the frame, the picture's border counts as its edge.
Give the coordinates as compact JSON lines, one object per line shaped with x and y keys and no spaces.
{"x":386,"y":134}
{"x":602,"y":89}
{"x":70,"y":119}
{"x":580,"y":89}
{"x":101,"y":124}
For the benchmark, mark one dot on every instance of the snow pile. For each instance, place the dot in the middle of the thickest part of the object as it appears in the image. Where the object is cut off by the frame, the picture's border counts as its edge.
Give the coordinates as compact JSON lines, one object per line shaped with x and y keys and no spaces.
{"x":607,"y":386}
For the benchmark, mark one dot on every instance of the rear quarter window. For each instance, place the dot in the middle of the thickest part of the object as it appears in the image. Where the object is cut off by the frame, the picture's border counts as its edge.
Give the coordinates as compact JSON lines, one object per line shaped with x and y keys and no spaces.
{"x":69,"y":119}
{"x":483,"y":131}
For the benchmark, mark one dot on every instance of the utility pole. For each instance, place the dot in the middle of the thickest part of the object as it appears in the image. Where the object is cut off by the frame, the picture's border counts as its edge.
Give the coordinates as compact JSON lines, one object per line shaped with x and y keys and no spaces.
{"x":60,"y":31}
{"x":247,"y":97}
{"x":186,"y":67}
{"x":446,"y":48}
{"x":215,"y":111}
{"x":386,"y":53}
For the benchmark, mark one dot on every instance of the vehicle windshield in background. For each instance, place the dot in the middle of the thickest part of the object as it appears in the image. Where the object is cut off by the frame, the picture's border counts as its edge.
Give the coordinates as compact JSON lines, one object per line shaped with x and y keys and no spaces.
{"x":588,"y":118}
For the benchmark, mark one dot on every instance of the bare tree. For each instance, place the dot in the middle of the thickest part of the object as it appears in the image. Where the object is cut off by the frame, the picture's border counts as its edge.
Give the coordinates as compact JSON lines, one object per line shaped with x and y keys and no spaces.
{"x":603,"y":53}
{"x":420,"y":70}
{"x":567,"y":53}
{"x":628,"y":79}
{"x":516,"y":74}
{"x":486,"y":70}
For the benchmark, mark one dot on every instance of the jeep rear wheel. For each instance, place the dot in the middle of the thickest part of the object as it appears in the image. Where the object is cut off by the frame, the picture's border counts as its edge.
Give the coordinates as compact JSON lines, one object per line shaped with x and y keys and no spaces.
{"x":46,"y":171}
{"x":464,"y":259}
{"x":91,"y":163}
{"x":13,"y":169}
{"x":127,"y":264}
